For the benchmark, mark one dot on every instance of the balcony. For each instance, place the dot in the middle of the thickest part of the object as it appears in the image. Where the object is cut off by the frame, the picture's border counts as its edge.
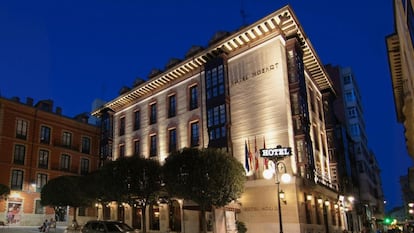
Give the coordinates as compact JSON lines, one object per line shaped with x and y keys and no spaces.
{"x":59,"y":143}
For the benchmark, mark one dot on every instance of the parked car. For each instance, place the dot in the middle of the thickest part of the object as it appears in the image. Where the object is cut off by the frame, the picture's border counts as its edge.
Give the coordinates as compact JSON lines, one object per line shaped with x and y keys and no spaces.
{"x":106,"y":226}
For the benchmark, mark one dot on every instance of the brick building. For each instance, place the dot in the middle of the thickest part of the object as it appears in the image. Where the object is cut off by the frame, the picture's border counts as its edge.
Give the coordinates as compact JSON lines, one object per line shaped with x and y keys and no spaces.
{"x":38,"y":143}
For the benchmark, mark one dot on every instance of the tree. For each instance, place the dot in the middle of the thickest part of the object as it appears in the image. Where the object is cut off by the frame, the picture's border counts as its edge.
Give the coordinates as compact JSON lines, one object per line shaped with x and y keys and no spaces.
{"x":132,"y":179}
{"x":4,"y":190}
{"x":208,"y":177}
{"x":64,"y":191}
{"x":106,"y":183}
{"x":144,"y":182}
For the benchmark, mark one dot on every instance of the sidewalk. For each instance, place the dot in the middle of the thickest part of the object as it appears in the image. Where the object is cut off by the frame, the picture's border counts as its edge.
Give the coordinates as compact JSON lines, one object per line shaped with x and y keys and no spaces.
{"x":27,"y":229}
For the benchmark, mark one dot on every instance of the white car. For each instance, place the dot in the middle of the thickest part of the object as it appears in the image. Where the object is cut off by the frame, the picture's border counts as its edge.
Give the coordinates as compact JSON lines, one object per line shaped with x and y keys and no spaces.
{"x":107,"y":226}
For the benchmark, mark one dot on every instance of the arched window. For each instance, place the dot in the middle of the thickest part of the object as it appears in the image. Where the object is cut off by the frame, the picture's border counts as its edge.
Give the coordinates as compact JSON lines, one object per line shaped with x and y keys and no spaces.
{"x":175,"y":216}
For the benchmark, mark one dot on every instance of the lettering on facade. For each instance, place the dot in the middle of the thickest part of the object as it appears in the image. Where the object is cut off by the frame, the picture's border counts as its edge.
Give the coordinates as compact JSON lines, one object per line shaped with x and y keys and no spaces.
{"x":262,"y":208}
{"x":255,"y":73}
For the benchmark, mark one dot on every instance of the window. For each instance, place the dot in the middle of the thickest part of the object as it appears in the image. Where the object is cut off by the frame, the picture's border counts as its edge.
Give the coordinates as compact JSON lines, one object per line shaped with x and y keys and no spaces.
{"x":361,"y":167}
{"x":121,"y":151}
{"x":43,"y":159}
{"x":44,"y":135}
{"x":21,"y":129}
{"x":193,"y":97}
{"x":312,"y":99}
{"x":175,"y":216}
{"x":308,"y":207}
{"x":65,"y":162}
{"x":17,"y":180}
{"x":41,"y":180}
{"x":172,"y":140}
{"x":216,"y":121}
{"x":347,"y":79}
{"x":121,"y":126}
{"x":137,"y":148}
{"x":154,"y":217}
{"x":84,"y":166}
{"x":86,"y":145}
{"x":153,"y":145}
{"x":195,"y":135}
{"x":294,"y":100}
{"x":136,"y":217}
{"x":137,"y":120}
{"x":19,"y":154}
{"x":39,"y":208}
{"x":153,"y":113}
{"x":350,"y":96}
{"x":81,"y":211}
{"x":215,"y":82}
{"x":316,"y":137}
{"x":300,"y":150}
{"x":171,"y":106}
{"x":352,"y":112}
{"x":354,"y":128}
{"x":67,"y":139}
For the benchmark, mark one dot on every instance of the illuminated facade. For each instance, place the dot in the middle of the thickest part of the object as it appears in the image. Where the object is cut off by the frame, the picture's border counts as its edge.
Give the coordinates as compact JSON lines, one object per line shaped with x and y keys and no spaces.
{"x":401,"y":59}
{"x":261,"y":86}
{"x":400,"y":49}
{"x":37,"y":144}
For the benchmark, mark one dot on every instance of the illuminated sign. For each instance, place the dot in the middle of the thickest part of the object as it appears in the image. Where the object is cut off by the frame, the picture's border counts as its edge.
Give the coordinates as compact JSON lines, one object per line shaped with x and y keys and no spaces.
{"x":276,"y":152}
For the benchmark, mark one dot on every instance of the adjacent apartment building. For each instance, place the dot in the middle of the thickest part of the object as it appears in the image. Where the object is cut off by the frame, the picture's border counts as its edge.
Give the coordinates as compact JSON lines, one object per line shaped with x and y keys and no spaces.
{"x":360,"y":169}
{"x":262,"y":86}
{"x":37,"y":144}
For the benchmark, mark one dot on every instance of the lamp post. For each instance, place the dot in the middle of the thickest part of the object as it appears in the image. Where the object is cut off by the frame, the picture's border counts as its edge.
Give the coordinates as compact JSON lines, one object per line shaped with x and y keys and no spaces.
{"x":276,"y":155}
{"x":278,"y":200}
{"x":285,"y":178}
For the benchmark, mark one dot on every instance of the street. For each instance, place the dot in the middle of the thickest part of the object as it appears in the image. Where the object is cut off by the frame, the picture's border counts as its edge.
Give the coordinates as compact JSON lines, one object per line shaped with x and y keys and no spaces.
{"x":24,"y":229}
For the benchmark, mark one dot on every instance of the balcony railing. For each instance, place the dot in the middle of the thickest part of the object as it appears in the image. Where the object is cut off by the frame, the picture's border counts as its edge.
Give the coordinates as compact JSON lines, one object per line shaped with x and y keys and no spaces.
{"x":59,"y":143}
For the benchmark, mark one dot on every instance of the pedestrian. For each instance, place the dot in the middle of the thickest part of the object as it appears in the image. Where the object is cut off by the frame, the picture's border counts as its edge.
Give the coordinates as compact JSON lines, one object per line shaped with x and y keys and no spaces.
{"x":44,"y":226}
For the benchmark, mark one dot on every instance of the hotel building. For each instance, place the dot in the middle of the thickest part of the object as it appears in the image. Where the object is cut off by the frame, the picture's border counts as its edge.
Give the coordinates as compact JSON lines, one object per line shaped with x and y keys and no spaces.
{"x":37,"y":144}
{"x":262,"y":86}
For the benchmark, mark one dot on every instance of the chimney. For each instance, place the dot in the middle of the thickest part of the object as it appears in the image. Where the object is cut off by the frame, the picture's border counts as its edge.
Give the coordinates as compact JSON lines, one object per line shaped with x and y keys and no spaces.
{"x":59,"y":110}
{"x":16,"y":99}
{"x":29,"y":101}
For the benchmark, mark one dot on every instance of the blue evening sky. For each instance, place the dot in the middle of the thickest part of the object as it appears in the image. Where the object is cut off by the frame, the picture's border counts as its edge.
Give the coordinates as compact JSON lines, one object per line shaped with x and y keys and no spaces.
{"x":73,"y":51}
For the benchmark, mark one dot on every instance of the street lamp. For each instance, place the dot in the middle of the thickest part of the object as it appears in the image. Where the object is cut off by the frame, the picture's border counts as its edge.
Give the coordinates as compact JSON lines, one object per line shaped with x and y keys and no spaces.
{"x":279,"y":167}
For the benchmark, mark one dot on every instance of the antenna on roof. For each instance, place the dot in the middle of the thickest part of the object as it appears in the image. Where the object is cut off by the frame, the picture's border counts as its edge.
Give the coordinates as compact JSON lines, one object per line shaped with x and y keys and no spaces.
{"x":243,"y":13}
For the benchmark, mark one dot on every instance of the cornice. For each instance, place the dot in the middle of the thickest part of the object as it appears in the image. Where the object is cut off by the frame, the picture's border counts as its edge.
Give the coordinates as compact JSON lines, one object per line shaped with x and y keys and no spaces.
{"x":282,"y":21}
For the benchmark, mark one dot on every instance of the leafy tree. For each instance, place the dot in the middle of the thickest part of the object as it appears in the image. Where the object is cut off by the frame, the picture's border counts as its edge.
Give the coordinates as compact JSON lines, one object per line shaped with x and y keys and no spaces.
{"x":241,"y":227}
{"x":105,"y":183}
{"x":143,"y":182}
{"x":130,"y":179}
{"x":208,"y":177}
{"x":4,"y":190}
{"x":64,"y":191}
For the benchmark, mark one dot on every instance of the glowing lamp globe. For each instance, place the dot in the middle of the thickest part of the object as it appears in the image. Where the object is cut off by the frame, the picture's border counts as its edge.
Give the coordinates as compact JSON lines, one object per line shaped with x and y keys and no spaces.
{"x":285,"y":178}
{"x":268,"y":174}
